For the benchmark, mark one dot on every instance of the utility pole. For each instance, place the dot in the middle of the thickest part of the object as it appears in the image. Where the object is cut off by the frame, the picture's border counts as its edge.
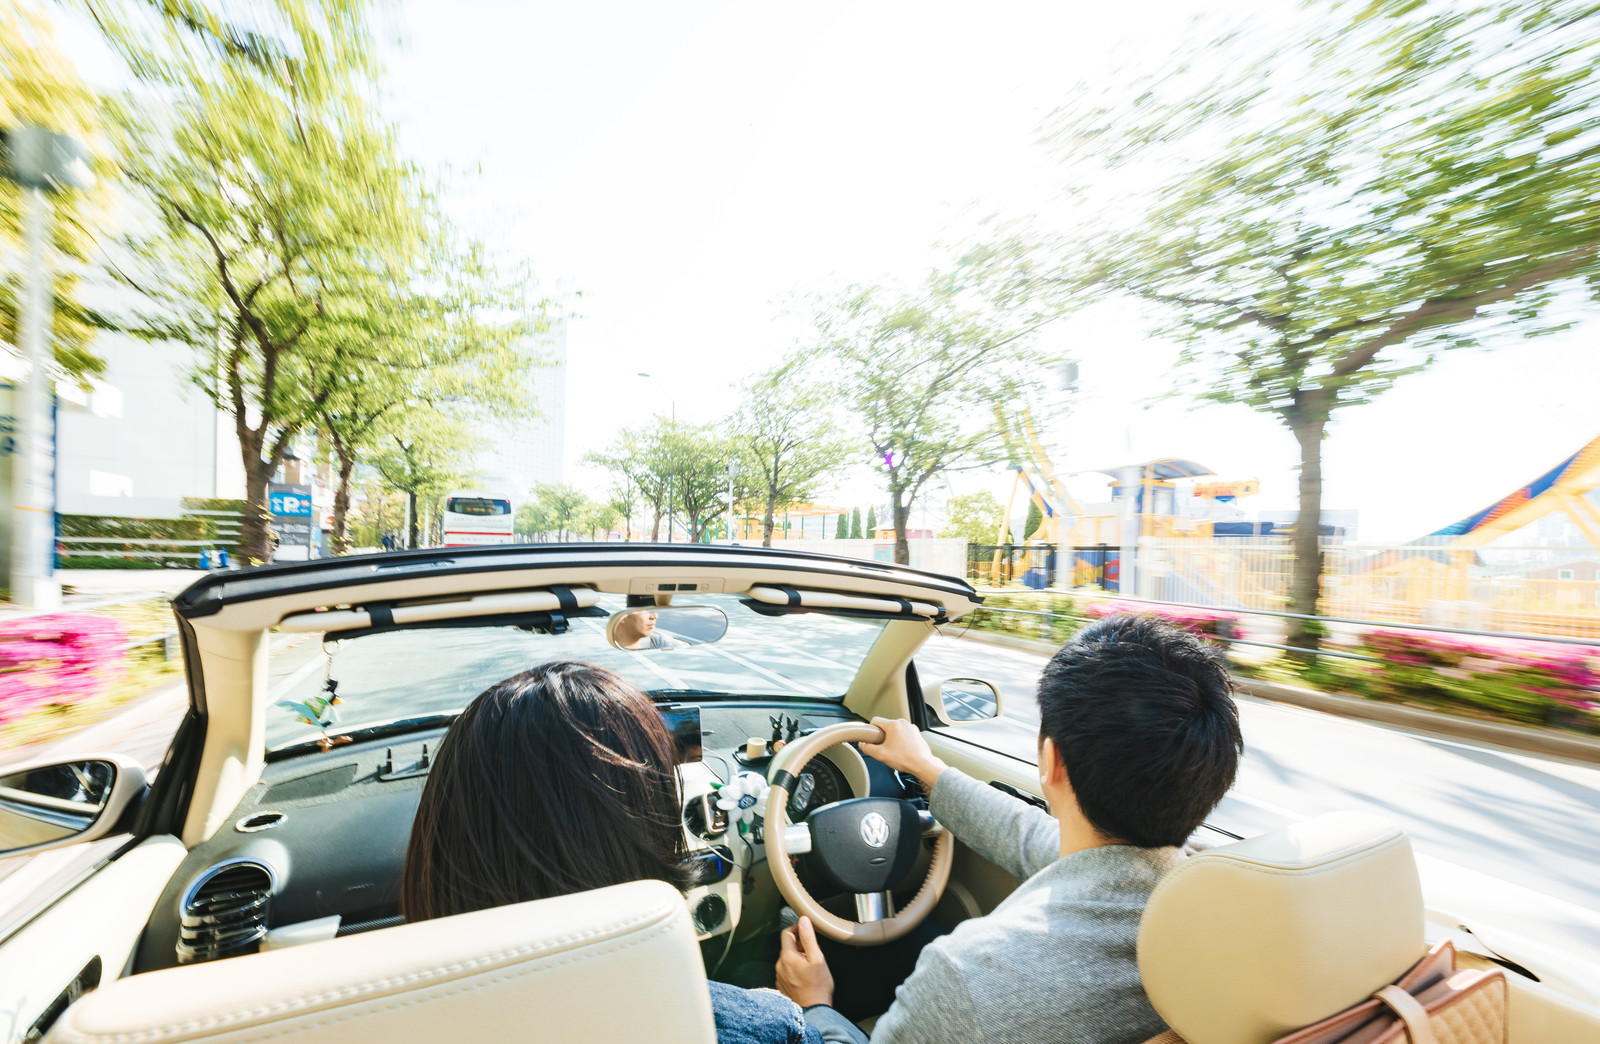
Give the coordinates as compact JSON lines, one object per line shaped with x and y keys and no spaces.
{"x":41,"y":163}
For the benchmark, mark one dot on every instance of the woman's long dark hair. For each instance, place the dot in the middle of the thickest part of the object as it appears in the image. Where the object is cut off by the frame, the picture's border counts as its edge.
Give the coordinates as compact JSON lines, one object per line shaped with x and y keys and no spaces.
{"x":558,"y":780}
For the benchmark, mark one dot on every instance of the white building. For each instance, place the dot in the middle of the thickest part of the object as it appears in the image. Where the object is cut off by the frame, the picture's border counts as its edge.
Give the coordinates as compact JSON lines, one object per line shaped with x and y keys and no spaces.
{"x":524,"y":454}
{"x":143,"y":438}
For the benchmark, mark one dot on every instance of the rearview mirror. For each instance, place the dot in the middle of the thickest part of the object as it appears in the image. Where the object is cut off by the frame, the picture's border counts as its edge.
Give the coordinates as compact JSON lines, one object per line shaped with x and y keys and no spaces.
{"x":665,"y":627}
{"x":49,"y":805}
{"x":962,"y":701}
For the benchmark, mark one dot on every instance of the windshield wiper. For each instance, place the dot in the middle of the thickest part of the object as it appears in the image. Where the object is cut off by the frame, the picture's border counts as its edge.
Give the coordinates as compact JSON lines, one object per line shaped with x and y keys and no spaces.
{"x":711,"y":694}
{"x":368,"y":732}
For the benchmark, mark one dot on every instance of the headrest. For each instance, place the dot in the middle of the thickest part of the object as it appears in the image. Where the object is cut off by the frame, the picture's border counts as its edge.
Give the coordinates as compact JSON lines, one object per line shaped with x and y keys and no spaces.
{"x":618,"y":963}
{"x":1244,"y":943}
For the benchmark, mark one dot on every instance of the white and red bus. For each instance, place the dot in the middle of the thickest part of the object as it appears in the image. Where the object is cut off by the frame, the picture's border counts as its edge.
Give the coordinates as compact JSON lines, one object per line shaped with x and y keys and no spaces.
{"x":473,"y":517}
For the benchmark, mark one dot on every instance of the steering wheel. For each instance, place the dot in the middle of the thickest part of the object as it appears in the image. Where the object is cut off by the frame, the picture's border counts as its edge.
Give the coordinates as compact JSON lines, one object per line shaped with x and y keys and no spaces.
{"x":864,"y":845}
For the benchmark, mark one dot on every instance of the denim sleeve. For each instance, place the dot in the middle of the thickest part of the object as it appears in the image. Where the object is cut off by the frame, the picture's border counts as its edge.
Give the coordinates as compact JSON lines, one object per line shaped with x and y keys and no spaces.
{"x":833,"y":1027}
{"x":758,"y":1017}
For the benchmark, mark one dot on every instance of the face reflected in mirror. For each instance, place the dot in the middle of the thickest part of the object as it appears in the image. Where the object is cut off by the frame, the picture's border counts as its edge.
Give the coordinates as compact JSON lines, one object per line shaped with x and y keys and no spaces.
{"x":666,"y":627}
{"x":635,"y":629}
{"x":52,"y":802}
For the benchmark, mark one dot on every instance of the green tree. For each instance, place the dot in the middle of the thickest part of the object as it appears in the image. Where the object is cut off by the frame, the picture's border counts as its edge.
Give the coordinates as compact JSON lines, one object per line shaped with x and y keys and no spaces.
{"x":427,"y":454}
{"x":464,"y":345}
{"x":872,"y":522}
{"x":855,"y":523}
{"x":1035,"y":520}
{"x":1315,"y":222}
{"x":560,"y":509}
{"x":842,"y":530}
{"x":788,"y":436}
{"x":641,"y":458}
{"x":38,"y":86}
{"x":922,"y":374}
{"x":973,"y":517}
{"x":697,"y":461}
{"x":274,"y":221}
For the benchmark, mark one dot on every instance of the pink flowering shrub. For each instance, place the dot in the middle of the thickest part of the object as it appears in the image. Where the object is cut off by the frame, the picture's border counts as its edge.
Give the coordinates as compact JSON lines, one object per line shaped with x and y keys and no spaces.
{"x":1527,"y":681}
{"x":57,"y":660}
{"x":1207,"y":623}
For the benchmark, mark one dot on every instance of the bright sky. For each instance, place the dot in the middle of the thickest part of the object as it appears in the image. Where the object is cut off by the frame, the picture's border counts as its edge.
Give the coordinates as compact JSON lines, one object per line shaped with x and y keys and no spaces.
{"x":692,"y":168}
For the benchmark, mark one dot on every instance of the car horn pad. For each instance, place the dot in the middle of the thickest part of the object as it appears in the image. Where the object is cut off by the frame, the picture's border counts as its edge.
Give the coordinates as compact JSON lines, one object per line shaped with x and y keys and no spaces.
{"x":864,"y":845}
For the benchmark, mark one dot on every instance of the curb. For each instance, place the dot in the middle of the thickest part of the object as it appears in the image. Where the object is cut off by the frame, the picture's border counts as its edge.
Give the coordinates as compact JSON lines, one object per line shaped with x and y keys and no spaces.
{"x":1531,"y":738}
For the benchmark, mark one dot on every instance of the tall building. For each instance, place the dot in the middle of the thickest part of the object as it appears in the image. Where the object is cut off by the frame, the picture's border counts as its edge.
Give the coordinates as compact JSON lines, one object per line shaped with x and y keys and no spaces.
{"x":524,"y":454}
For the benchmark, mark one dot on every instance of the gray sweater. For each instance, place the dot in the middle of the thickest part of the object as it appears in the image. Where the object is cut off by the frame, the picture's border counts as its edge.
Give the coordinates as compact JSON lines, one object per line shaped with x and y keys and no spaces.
{"x":1053,"y":962}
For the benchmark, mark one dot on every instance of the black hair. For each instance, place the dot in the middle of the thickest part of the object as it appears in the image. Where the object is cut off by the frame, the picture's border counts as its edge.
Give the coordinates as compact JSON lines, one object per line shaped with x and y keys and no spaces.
{"x":1142,"y":716}
{"x":558,"y":780}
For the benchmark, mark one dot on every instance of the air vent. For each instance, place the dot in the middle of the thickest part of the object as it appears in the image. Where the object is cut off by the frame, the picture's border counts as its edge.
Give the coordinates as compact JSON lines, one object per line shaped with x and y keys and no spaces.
{"x":225,"y":912}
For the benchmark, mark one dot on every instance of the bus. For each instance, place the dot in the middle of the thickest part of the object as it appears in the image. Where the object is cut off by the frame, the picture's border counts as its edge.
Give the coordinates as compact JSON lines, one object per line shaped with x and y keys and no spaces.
{"x":472,"y":517}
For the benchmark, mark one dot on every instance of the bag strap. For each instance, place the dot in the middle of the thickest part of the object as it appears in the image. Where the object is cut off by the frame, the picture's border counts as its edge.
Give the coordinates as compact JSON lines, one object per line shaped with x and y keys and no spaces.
{"x":1411,"y":1013}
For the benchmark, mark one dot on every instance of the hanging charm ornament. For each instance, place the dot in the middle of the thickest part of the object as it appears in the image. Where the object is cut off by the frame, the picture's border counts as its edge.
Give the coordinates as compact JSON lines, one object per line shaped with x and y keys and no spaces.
{"x":317,"y":711}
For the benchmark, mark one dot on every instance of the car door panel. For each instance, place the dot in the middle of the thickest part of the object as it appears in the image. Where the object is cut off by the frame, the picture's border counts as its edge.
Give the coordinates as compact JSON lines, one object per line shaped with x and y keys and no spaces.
{"x":100,"y":920}
{"x":979,"y":885}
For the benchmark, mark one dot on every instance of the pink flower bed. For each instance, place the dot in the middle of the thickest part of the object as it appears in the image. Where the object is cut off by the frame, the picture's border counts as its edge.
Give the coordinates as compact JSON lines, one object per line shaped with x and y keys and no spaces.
{"x":57,"y":660}
{"x":1520,"y":678}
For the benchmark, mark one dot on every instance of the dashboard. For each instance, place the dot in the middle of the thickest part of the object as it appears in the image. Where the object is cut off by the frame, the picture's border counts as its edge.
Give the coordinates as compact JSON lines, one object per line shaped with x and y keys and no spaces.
{"x":316,"y":847}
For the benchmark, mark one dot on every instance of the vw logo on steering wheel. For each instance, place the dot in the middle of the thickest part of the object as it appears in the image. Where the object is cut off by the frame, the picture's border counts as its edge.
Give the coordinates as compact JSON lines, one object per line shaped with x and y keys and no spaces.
{"x":874,"y":829}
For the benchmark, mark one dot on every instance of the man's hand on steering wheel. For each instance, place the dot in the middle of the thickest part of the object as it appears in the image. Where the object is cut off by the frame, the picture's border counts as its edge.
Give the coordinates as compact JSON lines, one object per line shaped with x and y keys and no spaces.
{"x":904,"y":749}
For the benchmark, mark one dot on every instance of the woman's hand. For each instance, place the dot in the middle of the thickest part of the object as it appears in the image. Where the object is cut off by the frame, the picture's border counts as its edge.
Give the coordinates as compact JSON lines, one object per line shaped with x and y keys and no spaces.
{"x":803,"y":974}
{"x":904,"y":749}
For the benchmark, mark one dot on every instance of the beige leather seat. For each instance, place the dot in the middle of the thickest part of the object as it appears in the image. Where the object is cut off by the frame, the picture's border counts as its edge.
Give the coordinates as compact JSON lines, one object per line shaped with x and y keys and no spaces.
{"x":1244,"y":943}
{"x":618,"y":963}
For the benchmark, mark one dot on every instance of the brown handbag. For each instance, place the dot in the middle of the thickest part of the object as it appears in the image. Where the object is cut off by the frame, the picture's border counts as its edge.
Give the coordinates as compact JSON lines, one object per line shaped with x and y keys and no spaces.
{"x":1433,"y":1003}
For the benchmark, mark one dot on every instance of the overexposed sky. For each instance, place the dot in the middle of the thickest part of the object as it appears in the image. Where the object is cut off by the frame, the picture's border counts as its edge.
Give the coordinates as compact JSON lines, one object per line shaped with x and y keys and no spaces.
{"x":692,"y":168}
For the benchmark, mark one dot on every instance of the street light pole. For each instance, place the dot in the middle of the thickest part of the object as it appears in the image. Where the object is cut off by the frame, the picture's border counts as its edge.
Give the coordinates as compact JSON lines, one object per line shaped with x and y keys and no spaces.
{"x":39,"y":162}
{"x":674,"y":404}
{"x":32,"y":582}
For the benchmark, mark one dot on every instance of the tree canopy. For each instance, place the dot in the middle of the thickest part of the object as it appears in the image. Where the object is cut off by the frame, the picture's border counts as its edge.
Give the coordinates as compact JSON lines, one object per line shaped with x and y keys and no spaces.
{"x":1312,"y":221}
{"x":788,"y":437}
{"x":921,"y":374}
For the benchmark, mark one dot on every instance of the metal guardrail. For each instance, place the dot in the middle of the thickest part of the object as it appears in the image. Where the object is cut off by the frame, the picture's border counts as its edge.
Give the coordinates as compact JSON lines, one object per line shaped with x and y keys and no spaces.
{"x":1216,"y":637}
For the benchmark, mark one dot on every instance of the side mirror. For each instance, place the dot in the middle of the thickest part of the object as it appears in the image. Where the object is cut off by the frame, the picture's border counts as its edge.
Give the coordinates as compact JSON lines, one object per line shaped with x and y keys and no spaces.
{"x":962,"y":701}
{"x":665,"y":627}
{"x":53,"y":804}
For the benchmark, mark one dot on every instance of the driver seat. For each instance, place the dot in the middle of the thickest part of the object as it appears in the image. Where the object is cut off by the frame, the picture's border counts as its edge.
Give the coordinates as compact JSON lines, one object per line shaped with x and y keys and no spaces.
{"x":617,"y":963}
{"x":1248,"y":942}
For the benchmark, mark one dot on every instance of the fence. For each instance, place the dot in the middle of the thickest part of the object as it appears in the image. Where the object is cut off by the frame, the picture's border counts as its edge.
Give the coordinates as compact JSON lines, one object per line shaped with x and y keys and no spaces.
{"x":1539,"y":590}
{"x":936,"y":555}
{"x":1041,"y":566}
{"x":1535,"y":590}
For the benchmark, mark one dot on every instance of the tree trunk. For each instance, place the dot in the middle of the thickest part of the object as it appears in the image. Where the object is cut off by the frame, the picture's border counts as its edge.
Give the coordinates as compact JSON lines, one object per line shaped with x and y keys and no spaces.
{"x":255,"y":529}
{"x":902,"y":514}
{"x":766,"y":523}
{"x":414,"y":524}
{"x":1305,"y":585}
{"x":655,"y":524}
{"x":341,"y":500}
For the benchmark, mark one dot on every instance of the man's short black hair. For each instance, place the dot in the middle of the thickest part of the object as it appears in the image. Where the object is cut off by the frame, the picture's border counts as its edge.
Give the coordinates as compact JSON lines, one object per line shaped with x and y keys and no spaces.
{"x":1142,"y":714}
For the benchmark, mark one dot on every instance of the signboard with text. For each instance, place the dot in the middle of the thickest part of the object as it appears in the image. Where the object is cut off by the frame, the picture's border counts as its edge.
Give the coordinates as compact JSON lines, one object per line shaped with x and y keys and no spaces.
{"x":292,"y":521}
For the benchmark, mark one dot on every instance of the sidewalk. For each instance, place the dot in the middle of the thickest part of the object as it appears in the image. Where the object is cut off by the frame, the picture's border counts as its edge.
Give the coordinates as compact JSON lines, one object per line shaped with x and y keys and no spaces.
{"x":86,"y":588}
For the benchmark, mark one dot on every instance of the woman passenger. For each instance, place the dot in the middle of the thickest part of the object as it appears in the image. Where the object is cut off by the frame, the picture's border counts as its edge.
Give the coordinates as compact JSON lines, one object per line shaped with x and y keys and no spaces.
{"x":559,"y":780}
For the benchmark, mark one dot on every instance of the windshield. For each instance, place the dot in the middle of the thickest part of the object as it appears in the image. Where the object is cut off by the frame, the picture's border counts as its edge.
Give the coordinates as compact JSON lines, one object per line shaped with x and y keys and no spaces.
{"x":404,"y":674}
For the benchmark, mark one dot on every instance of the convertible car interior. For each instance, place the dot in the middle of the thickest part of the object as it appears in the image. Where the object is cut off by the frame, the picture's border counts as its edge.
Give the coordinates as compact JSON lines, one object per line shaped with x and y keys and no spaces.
{"x":249,"y":889}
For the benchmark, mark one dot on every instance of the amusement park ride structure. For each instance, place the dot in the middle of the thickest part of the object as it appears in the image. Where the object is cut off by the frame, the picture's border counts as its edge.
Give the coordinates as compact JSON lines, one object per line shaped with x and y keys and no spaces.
{"x":1147,"y":492}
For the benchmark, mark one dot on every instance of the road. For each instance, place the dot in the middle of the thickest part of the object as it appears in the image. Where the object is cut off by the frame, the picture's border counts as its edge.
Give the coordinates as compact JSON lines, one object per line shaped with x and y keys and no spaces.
{"x":1509,"y":840}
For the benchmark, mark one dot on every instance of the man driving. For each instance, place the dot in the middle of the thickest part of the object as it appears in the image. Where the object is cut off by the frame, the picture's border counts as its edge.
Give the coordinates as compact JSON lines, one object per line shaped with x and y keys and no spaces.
{"x":1138,"y":741}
